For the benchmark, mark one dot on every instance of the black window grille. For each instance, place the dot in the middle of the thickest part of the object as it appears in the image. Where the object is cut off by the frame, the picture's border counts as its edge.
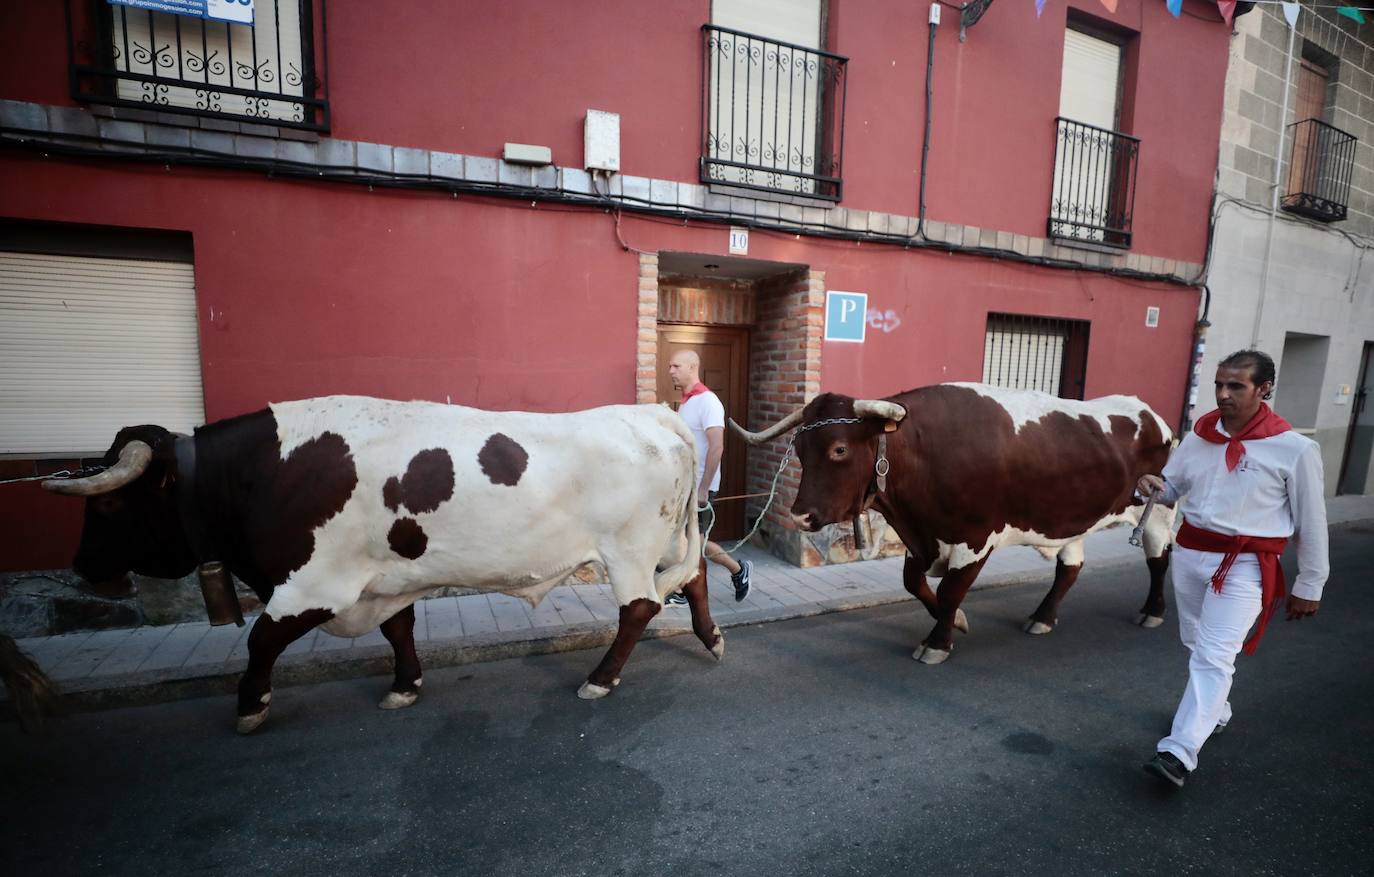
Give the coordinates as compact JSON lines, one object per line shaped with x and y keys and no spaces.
{"x":1321,"y":164}
{"x":1036,"y":353}
{"x":1094,"y":184}
{"x":264,"y":72}
{"x":772,"y":114}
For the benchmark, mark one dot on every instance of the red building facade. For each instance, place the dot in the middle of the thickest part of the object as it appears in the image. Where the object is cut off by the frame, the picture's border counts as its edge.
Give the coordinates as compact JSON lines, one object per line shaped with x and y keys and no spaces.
{"x":391,"y":251}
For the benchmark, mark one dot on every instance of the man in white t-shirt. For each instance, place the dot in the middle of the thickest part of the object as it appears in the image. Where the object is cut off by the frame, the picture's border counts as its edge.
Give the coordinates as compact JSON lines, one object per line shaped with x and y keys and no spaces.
{"x":1248,"y":483}
{"x":705,"y":416}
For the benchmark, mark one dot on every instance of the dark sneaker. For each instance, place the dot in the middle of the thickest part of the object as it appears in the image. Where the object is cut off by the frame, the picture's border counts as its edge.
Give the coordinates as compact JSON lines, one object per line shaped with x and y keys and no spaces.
{"x":677,"y":598}
{"x":1221,"y":726}
{"x":741,"y":580}
{"x":1167,"y":767}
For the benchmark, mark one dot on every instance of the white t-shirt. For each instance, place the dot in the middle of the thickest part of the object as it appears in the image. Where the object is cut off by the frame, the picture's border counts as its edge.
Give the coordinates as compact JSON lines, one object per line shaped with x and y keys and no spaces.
{"x":702,"y":412}
{"x":1275,"y":491}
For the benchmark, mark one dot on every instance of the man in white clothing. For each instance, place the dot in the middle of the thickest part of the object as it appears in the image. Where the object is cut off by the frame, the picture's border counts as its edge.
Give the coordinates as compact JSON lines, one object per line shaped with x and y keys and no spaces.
{"x":705,"y":416}
{"x":1248,"y":483}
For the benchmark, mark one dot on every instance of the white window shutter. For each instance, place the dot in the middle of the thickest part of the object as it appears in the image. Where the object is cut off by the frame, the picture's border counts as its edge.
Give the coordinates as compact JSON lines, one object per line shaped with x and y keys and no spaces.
{"x":89,"y":345}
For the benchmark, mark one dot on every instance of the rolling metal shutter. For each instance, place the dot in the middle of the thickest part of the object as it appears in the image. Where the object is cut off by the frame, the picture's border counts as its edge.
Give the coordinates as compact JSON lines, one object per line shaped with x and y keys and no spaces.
{"x":89,"y":345}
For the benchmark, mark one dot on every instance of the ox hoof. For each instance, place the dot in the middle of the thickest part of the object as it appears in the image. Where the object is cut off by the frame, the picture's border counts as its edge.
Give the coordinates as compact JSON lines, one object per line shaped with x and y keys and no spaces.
{"x":249,"y":724}
{"x":718,"y":649}
{"x":1149,"y":621}
{"x":960,"y":620}
{"x":591,"y":691}
{"x":398,"y":700}
{"x":1036,"y":628}
{"x":927,"y":655}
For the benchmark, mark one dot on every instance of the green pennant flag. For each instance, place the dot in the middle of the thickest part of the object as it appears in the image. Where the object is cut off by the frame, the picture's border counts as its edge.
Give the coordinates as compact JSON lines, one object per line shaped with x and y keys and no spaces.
{"x":1351,"y":12}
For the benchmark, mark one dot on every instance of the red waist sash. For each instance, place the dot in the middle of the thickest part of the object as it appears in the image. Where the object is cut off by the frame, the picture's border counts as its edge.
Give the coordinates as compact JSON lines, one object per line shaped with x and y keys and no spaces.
{"x":1266,"y":550}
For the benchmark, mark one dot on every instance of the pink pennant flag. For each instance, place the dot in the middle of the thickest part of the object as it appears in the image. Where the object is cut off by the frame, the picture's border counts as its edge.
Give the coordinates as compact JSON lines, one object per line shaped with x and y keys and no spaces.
{"x":1110,"y":4}
{"x":1290,"y":12}
{"x":1227,"y":9}
{"x":1039,"y":7}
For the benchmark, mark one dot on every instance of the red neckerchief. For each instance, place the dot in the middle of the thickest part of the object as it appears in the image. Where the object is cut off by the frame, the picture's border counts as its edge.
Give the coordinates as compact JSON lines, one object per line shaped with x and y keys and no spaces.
{"x":697,"y":390}
{"x":1264,"y":424}
{"x":1266,"y":551}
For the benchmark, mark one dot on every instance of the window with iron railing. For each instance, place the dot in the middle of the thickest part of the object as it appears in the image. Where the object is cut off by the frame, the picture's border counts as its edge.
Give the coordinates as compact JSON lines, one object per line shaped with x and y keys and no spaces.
{"x":263,"y":72}
{"x":1094,"y":184}
{"x":1321,"y":164}
{"x":772,"y":114}
{"x":1036,"y":353}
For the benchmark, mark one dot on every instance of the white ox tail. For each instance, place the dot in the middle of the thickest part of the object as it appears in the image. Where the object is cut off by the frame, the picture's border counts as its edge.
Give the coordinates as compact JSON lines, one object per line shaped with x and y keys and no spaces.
{"x":681,"y":572}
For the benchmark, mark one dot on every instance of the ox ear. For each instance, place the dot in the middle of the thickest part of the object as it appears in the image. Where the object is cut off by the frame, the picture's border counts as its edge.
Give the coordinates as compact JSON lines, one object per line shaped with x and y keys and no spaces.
{"x":889,"y":426}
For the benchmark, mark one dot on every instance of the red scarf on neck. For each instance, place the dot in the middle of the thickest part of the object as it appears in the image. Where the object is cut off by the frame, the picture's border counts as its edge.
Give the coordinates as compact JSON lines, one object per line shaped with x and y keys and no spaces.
{"x":1264,"y":424}
{"x":697,"y":389}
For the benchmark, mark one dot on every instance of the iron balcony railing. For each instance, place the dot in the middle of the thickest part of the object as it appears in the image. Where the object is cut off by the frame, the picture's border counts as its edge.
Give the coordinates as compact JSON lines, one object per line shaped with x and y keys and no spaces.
{"x":1094,"y":184}
{"x":772,"y":114}
{"x":265,"y":72}
{"x":1321,"y":164}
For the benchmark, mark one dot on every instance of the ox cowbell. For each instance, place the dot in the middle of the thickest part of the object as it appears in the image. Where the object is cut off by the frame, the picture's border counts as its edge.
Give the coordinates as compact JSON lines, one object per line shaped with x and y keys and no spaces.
{"x":221,"y":600}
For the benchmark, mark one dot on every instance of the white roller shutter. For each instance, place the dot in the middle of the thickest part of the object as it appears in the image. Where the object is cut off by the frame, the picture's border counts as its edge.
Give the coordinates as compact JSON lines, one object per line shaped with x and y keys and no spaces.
{"x":791,"y":21}
{"x":1091,"y":80}
{"x":89,"y":345}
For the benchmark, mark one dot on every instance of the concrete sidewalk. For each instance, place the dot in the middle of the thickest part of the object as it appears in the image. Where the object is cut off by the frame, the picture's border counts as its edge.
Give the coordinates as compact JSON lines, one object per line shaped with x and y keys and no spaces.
{"x":155,"y":664}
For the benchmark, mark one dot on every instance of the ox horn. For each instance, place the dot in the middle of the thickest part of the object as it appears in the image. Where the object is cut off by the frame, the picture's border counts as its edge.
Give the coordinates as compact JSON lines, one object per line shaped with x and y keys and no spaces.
{"x":787,"y":424}
{"x":878,"y":408}
{"x":133,"y":460}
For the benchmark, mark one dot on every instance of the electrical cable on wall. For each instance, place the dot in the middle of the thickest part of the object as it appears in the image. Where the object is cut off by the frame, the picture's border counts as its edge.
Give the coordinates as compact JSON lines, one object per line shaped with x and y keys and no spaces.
{"x":90,"y":147}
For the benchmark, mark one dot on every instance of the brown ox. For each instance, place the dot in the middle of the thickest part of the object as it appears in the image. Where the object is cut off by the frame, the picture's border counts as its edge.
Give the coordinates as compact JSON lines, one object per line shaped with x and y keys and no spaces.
{"x":972,"y":468}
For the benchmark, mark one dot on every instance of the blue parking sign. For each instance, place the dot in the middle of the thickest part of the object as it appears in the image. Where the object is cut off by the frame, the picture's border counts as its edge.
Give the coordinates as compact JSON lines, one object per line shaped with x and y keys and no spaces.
{"x":845,"y":316}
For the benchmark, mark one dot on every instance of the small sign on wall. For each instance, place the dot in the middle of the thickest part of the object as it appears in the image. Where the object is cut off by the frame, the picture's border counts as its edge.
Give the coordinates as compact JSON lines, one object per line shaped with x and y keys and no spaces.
{"x":739,"y":241}
{"x":846,"y":316}
{"x":1151,"y":317}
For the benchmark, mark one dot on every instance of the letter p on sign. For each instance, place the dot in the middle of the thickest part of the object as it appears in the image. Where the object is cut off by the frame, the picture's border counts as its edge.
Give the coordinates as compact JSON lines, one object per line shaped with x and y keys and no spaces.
{"x":845,"y":316}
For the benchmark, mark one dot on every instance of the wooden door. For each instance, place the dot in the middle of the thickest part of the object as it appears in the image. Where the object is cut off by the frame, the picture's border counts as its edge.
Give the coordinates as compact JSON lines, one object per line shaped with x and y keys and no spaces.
{"x":1311,"y":104}
{"x":724,"y":352}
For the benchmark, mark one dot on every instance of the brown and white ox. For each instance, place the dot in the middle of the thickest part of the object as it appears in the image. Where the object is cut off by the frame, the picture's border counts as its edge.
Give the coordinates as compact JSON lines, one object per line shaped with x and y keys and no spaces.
{"x":343,"y":511}
{"x":971,"y":468}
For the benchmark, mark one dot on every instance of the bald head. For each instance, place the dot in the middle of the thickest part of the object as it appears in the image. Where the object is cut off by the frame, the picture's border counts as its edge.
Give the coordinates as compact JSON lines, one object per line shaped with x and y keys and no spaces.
{"x":684,"y":369}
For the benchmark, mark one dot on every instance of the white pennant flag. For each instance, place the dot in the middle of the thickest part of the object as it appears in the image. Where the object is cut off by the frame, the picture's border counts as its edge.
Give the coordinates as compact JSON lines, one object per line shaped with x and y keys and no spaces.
{"x":1290,"y":12}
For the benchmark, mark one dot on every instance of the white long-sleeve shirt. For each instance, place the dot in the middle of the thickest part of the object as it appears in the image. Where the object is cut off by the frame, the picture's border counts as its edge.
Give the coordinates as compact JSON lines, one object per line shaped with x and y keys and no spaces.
{"x":1275,"y":490}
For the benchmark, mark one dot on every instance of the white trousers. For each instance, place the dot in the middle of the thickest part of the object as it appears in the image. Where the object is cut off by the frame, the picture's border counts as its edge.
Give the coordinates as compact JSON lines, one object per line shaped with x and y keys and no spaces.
{"x":1213,"y":626}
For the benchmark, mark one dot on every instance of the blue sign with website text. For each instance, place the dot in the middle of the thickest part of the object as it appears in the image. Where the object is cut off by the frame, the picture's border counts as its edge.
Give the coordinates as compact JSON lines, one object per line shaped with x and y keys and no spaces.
{"x":235,"y":11}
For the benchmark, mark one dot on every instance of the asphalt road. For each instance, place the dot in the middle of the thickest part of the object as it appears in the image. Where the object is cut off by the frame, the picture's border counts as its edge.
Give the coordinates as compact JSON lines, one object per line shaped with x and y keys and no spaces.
{"x":818,"y":747}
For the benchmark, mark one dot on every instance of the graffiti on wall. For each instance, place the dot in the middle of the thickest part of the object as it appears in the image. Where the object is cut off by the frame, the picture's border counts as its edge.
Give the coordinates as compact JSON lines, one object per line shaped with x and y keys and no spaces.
{"x":886,"y":321}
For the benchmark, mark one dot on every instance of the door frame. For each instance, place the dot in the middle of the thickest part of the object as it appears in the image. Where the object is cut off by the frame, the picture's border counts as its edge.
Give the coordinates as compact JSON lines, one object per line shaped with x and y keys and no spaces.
{"x":730,"y":516}
{"x":1362,"y":391}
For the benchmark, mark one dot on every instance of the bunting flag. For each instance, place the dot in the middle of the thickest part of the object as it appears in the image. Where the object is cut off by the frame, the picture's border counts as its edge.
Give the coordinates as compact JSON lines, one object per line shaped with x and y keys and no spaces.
{"x":1176,"y":7}
{"x":1350,"y":12}
{"x":1110,"y":4}
{"x":1290,"y":12}
{"x":1227,"y":9}
{"x":1039,"y":7}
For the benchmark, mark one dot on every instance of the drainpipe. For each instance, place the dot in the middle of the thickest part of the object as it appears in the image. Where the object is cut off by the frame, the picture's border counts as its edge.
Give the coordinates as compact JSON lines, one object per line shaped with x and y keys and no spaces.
{"x":925,"y":140}
{"x":1274,"y":191}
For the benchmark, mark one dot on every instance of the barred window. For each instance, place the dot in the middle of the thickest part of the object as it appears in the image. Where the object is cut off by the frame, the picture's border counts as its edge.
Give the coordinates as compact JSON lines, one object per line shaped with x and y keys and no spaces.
{"x":261,"y":71}
{"x":1036,"y":353}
